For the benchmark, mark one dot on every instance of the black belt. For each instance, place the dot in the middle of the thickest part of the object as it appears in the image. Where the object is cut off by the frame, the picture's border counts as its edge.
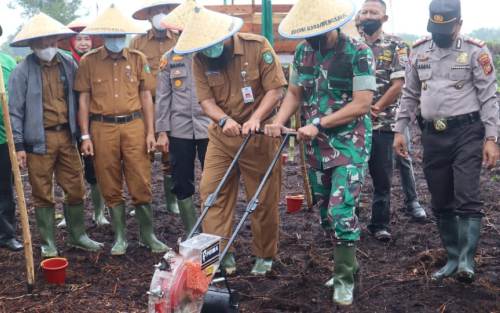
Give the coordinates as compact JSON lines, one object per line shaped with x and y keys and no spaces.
{"x":443,"y":124}
{"x":121,"y":119}
{"x":58,"y":128}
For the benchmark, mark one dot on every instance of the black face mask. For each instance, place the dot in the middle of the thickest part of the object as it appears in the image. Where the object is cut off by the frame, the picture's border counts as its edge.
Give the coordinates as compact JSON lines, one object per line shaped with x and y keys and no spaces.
{"x":442,"y":40}
{"x":370,"y":26}
{"x":317,"y":42}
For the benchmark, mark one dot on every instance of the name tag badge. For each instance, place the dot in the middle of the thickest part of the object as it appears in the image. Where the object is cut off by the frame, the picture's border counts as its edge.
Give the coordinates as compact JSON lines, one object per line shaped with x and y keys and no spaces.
{"x":247,"y":93}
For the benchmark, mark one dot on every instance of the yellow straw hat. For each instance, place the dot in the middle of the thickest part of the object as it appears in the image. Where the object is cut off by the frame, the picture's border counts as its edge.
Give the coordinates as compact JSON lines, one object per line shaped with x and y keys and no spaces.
{"x":307,"y":19}
{"x":39,"y":26}
{"x":112,"y":22}
{"x":179,"y":17}
{"x":143,"y":12}
{"x":205,"y":29}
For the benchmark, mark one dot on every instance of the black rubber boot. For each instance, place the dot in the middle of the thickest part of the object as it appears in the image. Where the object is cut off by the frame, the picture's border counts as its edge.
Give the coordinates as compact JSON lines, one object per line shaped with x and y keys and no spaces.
{"x":448,"y":231}
{"x":469,"y":229}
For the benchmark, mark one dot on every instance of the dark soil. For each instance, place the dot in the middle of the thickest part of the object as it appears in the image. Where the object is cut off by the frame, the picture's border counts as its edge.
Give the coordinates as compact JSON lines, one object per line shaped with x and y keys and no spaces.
{"x":394,"y":277}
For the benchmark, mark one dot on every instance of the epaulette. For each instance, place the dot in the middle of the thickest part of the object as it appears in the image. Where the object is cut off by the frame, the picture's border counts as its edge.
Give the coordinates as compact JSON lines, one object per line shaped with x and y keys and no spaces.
{"x":475,"y":41}
{"x":249,"y":36}
{"x":421,"y":41}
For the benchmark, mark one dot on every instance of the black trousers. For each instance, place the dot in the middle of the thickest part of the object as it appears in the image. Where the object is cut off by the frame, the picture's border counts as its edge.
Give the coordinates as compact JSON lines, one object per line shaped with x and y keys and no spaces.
{"x":452,"y":168}
{"x":380,"y":166}
{"x":7,"y":205}
{"x":182,"y":156}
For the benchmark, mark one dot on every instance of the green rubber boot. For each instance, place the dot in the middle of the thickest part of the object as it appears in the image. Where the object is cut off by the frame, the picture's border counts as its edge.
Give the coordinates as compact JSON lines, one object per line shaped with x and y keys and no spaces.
{"x":98,"y":204}
{"x":469,"y":229}
{"x":344,"y":256}
{"x":188,"y":213}
{"x":78,"y":237}
{"x":170,"y":198}
{"x":45,"y":221}
{"x":118,"y":218}
{"x":262,"y":266}
{"x":448,"y":231}
{"x":229,"y":264}
{"x":144,"y":215}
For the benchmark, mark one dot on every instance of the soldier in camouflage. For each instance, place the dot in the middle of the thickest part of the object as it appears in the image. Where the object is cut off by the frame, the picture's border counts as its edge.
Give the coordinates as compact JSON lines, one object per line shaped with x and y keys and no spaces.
{"x":332,"y":76}
{"x":391,"y":56}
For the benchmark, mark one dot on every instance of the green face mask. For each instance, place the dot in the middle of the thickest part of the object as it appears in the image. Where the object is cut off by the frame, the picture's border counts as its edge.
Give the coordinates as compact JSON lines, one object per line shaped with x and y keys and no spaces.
{"x":214,"y":51}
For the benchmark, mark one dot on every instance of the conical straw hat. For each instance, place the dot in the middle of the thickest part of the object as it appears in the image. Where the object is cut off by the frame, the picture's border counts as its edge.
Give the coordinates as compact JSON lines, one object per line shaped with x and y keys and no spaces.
{"x":178,"y":18}
{"x":39,"y":26}
{"x":143,"y":12}
{"x":206,"y":28}
{"x":350,"y":29}
{"x":307,"y":19}
{"x":112,"y":22}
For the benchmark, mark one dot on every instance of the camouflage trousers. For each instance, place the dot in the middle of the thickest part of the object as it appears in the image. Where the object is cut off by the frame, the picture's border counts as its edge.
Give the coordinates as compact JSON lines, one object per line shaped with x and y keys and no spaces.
{"x":337,"y":191}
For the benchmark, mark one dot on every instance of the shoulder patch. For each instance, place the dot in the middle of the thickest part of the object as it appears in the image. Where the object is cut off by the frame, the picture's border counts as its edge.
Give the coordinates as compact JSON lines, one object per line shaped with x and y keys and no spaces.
{"x":268,"y":57}
{"x":253,"y":37}
{"x":475,"y":41}
{"x":163,"y":61}
{"x":485,"y":61}
{"x":421,"y":41}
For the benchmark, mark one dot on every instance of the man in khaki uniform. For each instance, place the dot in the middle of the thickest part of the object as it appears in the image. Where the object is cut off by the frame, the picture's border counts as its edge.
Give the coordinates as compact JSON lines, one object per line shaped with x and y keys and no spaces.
{"x":451,"y":82}
{"x":239,"y":82}
{"x":43,"y":113}
{"x":114,"y":84}
{"x":154,"y":44}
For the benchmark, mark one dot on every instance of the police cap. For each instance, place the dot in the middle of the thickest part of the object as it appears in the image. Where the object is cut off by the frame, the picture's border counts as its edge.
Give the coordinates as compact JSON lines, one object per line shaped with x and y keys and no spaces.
{"x":443,"y":16}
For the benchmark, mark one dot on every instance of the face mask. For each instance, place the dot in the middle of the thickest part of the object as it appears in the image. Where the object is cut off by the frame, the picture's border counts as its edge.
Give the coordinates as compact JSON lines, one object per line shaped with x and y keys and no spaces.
{"x":115,"y":44}
{"x":46,"y":54}
{"x":317,"y":42}
{"x":442,"y":40}
{"x":214,"y":51}
{"x":370,"y":26}
{"x":156,"y":21}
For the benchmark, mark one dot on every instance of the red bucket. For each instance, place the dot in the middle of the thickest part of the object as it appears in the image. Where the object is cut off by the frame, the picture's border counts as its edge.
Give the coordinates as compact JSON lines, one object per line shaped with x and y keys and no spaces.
{"x":54,"y":270}
{"x":294,"y":203}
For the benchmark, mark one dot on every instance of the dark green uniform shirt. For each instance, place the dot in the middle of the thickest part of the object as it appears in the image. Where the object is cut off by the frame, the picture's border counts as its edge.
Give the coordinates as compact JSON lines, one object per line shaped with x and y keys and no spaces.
{"x":328,"y":84}
{"x":8,"y":64}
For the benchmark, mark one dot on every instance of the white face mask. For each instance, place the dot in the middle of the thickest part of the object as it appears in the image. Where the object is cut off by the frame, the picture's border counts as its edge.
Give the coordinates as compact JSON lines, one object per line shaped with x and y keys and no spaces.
{"x":46,"y":54}
{"x":115,"y":44}
{"x":156,"y":21}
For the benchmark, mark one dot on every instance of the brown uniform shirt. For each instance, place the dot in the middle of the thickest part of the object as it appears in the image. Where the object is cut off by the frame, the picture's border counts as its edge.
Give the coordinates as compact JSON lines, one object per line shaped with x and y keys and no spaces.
{"x":154,"y":49}
{"x":114,"y":84}
{"x":55,"y":108}
{"x":252,"y":54}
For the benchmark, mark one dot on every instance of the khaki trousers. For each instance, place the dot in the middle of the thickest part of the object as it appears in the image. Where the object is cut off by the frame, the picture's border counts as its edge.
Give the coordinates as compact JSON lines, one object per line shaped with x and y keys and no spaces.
{"x":252,"y":166}
{"x":121,"y":148}
{"x":61,"y":161}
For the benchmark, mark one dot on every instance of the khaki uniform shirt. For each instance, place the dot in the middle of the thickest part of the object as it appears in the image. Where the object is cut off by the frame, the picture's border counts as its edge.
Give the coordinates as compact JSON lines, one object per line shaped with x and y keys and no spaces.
{"x":114,"y":84}
{"x":55,"y":108}
{"x":252,"y":55}
{"x":154,"y":49}
{"x":177,"y":109}
{"x":442,"y":83}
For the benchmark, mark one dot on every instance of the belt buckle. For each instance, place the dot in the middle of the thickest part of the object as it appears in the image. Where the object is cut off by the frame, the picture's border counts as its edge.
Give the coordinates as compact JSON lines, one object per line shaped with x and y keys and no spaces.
{"x":440,"y":124}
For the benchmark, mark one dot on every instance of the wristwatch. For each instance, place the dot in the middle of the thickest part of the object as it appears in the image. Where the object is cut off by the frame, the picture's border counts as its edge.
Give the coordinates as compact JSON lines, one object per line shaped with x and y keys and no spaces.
{"x":85,"y":137}
{"x":492,"y":138}
{"x":223,"y":121}
{"x":317,"y":122}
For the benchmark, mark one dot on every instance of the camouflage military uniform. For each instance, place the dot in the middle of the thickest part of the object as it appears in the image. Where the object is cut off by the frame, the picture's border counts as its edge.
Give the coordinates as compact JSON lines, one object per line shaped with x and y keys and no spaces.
{"x":391,"y":56}
{"x":338,"y":156}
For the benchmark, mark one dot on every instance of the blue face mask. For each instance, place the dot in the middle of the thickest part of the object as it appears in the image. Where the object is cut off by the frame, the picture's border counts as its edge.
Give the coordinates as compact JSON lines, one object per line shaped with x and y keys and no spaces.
{"x":115,"y":44}
{"x":214,"y":51}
